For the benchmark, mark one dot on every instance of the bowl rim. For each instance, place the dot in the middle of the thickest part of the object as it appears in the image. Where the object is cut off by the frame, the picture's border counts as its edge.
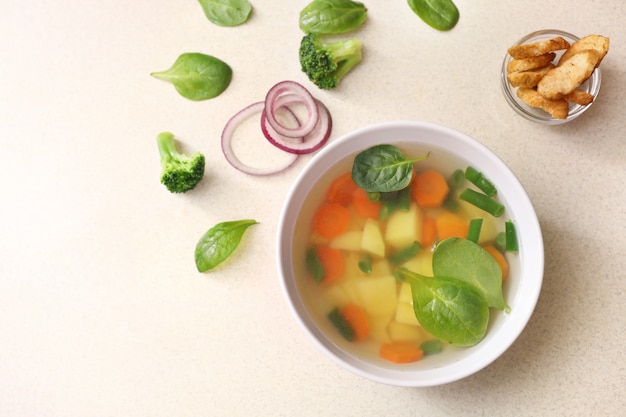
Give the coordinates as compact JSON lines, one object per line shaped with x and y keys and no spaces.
{"x":482,"y":355}
{"x":592,"y":85}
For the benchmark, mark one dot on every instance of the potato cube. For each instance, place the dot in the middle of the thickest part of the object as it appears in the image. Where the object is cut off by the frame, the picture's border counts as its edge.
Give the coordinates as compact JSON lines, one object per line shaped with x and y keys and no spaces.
{"x":372,"y":239}
{"x":351,"y":240}
{"x":406,"y":314}
{"x":336,"y":296}
{"x":404,"y":227}
{"x":405,"y":295}
{"x":378,"y":295}
{"x":378,"y":329}
{"x":488,"y":230}
{"x":402,"y":332}
{"x":421,"y":264}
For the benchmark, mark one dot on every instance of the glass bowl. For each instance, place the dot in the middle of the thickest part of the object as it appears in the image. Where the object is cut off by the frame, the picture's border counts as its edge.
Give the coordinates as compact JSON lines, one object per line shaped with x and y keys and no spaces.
{"x":592,"y":85}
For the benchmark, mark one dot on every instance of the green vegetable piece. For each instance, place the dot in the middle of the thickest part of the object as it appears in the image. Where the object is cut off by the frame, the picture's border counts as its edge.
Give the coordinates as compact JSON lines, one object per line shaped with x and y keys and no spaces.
{"x":456,"y":179}
{"x":341,"y":324}
{"x":482,"y":201}
{"x":219,"y":242}
{"x":450,"y":309}
{"x":314,"y":265}
{"x":468,"y":261}
{"x":404,"y":254}
{"x":439,"y":14}
{"x":510,"y":232}
{"x":388,"y":207}
{"x":404,"y":199}
{"x":197,"y":76}
{"x":332,"y":16}
{"x":479,"y":180}
{"x":226,"y":12}
{"x":431,"y":347}
{"x":179,"y":172}
{"x":365,"y":264}
{"x":500,"y":241}
{"x":326,"y":63}
{"x":383,"y":168}
{"x":474,"y":229}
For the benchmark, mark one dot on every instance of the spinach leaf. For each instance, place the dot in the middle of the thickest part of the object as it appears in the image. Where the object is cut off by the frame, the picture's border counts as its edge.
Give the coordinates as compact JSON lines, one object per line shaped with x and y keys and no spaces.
{"x":332,"y":16}
{"x":197,"y":76}
{"x":448,"y":308}
{"x":226,"y":12}
{"x":383,"y":168}
{"x":440,"y":14}
{"x":468,"y":261}
{"x":219,"y":242}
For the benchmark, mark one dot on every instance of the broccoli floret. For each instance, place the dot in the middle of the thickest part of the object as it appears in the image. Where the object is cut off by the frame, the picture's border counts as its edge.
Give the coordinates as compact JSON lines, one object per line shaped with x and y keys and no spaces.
{"x":327,"y":63}
{"x":179,"y":172}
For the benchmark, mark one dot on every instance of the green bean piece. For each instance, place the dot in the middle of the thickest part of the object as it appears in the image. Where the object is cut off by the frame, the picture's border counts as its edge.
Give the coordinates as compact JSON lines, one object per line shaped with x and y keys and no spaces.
{"x":404,"y":199}
{"x":456,"y":179}
{"x":479,"y":180}
{"x":483,"y":202}
{"x":511,"y":236}
{"x":387,"y":208}
{"x":474,"y":229}
{"x":500,"y":242}
{"x":365,"y":264}
{"x":341,"y":324}
{"x":451,"y":203}
{"x":431,"y":347}
{"x":404,"y":254}
{"x":314,"y":265}
{"x":373,"y":196}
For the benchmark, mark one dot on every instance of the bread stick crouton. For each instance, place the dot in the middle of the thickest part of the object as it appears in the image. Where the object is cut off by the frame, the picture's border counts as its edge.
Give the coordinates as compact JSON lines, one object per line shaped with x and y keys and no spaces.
{"x":538,"y":48}
{"x":559,"y":109}
{"x":570,"y":74}
{"x":598,"y":43}
{"x":528,"y":78}
{"x":530,"y":63}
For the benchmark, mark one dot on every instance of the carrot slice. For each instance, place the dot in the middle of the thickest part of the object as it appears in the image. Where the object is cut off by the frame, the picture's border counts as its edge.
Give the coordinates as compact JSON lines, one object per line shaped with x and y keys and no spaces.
{"x":341,"y":189}
{"x":333,"y":262}
{"x":499,"y":257}
{"x":331,"y":220}
{"x":430,"y":188}
{"x":429,"y":231}
{"x":356,"y":318}
{"x":451,"y":225}
{"x":401,"y":352}
{"x":363,"y":206}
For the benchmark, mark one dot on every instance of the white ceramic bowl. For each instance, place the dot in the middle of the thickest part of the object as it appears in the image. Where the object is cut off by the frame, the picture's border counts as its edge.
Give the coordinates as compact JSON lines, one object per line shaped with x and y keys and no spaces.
{"x":453,"y":150}
{"x":592,"y":85}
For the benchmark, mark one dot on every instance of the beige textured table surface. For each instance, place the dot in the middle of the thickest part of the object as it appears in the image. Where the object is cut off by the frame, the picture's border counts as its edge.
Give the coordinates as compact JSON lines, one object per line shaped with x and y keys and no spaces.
{"x":102,"y":312}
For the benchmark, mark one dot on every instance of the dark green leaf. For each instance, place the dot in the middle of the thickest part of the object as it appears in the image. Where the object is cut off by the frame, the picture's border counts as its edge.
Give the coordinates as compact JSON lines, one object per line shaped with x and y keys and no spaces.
{"x":332,"y":16}
{"x":197,"y":76}
{"x":226,"y":12}
{"x":383,"y":168}
{"x":219,"y":242}
{"x":449,"y":308}
{"x":439,"y":14}
{"x":468,"y":261}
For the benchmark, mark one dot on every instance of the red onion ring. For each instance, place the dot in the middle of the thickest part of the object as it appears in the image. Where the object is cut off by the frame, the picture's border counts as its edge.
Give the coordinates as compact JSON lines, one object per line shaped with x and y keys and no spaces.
{"x":271,"y":106}
{"x":227,"y":135}
{"x":307,"y":144}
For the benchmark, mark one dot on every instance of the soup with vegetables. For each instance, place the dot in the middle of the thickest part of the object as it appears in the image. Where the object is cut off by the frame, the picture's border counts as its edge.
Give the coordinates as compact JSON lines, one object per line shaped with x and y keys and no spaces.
{"x":404,"y":259}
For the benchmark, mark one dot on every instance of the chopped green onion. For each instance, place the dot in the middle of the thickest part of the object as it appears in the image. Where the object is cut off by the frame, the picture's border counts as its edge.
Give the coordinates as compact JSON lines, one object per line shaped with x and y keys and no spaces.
{"x":474,"y":229}
{"x":482,"y":201}
{"x":404,"y":254}
{"x":511,"y":236}
{"x":479,"y":180}
{"x":314,"y":265}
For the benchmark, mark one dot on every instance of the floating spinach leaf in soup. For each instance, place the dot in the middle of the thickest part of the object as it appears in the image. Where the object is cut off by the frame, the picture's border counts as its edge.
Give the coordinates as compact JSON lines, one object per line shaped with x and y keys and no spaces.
{"x":332,"y":16}
{"x":439,"y":14}
{"x":219,"y":242}
{"x":197,"y":76}
{"x":383,"y":168}
{"x":226,"y":12}
{"x":450,"y":309}
{"x":468,"y":261}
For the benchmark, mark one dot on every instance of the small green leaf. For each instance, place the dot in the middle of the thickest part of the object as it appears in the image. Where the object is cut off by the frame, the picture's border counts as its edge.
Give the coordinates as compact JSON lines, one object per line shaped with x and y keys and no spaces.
{"x":197,"y":76}
{"x":449,"y":308}
{"x":383,"y":168}
{"x":439,"y":14}
{"x":226,"y":12}
{"x":332,"y":16}
{"x":219,"y":242}
{"x":468,"y":261}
